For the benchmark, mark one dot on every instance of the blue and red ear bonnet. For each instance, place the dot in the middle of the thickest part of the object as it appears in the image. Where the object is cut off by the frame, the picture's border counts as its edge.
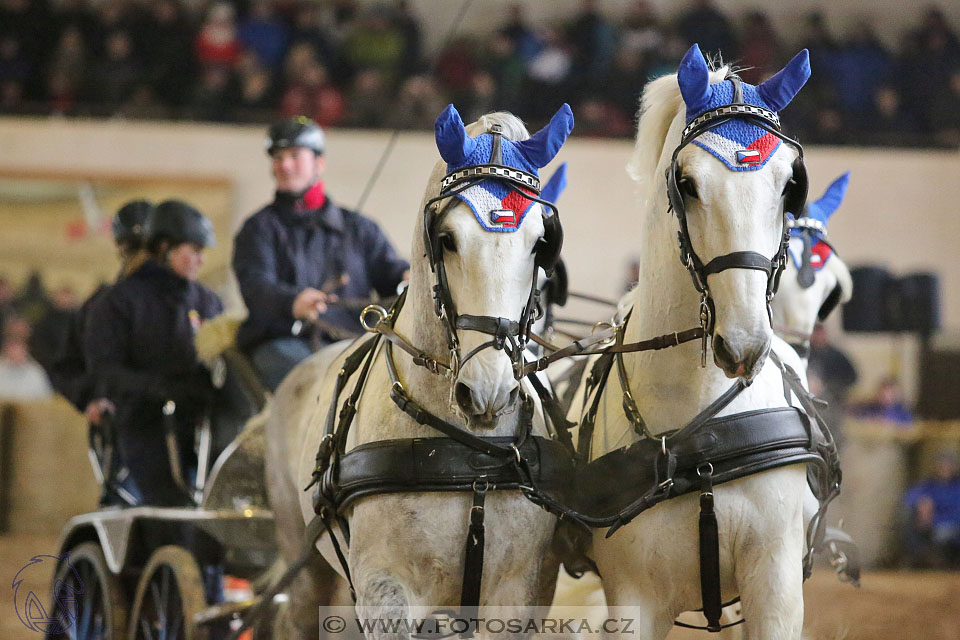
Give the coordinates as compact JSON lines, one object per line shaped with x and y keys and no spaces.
{"x":738,"y":143}
{"x":811,"y":228}
{"x":497,"y":171}
{"x":809,"y":248}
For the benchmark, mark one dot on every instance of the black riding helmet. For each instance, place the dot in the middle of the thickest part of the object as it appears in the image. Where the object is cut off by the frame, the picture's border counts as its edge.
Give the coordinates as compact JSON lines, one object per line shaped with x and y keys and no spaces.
{"x":177,"y":222}
{"x":128,"y":225}
{"x":299,"y":131}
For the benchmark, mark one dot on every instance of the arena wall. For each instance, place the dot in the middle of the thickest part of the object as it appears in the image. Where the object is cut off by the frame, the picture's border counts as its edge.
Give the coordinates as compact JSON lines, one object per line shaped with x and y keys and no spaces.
{"x":901,"y":209}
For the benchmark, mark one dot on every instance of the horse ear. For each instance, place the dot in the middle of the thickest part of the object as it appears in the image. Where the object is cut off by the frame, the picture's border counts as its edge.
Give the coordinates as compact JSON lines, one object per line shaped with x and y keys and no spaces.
{"x":781,"y":88}
{"x":555,"y":185}
{"x":694,"y":79}
{"x":832,"y":197}
{"x":542,"y":147}
{"x":454,"y":144}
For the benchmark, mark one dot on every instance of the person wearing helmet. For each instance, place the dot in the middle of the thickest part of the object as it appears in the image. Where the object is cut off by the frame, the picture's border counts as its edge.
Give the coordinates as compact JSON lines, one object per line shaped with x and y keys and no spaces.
{"x":139,"y":344}
{"x":68,"y":372}
{"x":299,"y":253}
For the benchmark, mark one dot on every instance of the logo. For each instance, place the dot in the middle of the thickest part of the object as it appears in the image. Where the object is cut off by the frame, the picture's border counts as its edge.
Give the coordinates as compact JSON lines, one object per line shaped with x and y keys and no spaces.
{"x":496,"y":206}
{"x":29,"y":606}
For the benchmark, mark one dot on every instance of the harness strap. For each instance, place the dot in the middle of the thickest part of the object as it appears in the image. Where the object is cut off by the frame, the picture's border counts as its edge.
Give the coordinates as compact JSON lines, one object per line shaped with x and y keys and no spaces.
{"x":709,"y":552}
{"x":581,"y":346}
{"x":554,"y":411}
{"x":473,"y":553}
{"x":410,"y":406}
{"x":829,"y":474}
{"x":739,"y":260}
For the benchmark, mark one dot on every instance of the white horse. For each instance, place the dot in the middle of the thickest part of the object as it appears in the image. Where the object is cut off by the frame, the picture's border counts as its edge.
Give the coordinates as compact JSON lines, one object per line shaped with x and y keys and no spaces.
{"x":652,"y":563}
{"x":406,"y":550}
{"x":815,"y":280}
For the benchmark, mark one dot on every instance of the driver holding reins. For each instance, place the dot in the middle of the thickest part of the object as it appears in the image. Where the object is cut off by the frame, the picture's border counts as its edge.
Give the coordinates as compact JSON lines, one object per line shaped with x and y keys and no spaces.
{"x":298,"y":256}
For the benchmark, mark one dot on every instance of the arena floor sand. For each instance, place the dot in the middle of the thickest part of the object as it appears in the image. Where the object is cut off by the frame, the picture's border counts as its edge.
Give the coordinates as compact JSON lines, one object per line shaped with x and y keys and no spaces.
{"x":889,"y":606}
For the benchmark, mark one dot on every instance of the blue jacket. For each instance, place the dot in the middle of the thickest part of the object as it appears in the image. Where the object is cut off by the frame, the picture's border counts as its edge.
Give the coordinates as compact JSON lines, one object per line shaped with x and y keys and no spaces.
{"x":138,"y":344}
{"x":280,"y":251}
{"x":945,"y":497}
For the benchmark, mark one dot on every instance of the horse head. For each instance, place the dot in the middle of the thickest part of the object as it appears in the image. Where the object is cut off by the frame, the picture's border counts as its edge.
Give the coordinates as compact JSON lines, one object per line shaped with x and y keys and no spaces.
{"x":485,"y":235}
{"x":815,"y":280}
{"x":729,"y":180}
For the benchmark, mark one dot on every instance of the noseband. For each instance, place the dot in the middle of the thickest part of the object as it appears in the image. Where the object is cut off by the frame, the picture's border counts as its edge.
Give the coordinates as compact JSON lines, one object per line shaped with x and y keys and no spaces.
{"x":507,"y":335}
{"x":795,"y":196}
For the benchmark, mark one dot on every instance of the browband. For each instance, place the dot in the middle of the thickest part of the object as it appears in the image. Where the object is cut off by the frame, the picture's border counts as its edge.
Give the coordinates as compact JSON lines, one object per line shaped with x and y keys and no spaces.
{"x":733,"y":110}
{"x":502,"y":172}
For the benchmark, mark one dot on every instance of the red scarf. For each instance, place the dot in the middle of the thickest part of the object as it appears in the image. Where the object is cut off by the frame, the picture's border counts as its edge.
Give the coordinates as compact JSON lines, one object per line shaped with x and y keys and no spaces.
{"x":314,"y":197}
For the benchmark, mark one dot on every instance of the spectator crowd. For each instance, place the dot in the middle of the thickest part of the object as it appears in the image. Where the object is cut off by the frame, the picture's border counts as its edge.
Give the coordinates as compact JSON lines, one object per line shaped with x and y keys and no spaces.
{"x":352,"y":64}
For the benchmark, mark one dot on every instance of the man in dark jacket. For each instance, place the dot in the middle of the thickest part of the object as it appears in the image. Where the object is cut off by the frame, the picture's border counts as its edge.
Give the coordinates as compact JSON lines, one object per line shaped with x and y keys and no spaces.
{"x":300,"y":253}
{"x":139,"y":343}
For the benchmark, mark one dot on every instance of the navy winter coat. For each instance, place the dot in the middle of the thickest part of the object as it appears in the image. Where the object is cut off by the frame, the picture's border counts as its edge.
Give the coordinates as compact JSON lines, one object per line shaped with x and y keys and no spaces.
{"x":138,"y":344}
{"x":280,"y":251}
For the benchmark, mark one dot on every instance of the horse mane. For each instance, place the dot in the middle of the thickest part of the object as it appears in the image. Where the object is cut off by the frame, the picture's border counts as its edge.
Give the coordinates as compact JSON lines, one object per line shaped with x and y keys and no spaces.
{"x":660,"y":105}
{"x":512,"y":127}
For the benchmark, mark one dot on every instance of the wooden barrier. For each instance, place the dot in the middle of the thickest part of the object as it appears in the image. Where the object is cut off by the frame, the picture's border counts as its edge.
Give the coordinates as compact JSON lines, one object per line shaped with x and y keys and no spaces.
{"x":880,"y":461}
{"x":49,"y":478}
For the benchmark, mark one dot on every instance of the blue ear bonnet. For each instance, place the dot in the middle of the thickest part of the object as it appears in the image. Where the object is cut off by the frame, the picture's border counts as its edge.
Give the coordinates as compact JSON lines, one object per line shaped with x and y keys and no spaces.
{"x":739,"y":143}
{"x":555,"y":185}
{"x":511,"y":156}
{"x":722,"y":95}
{"x":462,"y":152}
{"x":821,"y":210}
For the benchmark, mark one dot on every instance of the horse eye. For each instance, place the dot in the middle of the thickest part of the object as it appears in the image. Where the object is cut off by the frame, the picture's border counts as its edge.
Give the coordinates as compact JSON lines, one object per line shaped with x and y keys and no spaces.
{"x":448,"y":243}
{"x":687,"y":187}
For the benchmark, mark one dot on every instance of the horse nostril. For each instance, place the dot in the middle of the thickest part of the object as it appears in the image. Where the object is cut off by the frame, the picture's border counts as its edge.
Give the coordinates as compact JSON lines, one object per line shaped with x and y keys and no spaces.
{"x":464,"y":397}
{"x":723,"y":350}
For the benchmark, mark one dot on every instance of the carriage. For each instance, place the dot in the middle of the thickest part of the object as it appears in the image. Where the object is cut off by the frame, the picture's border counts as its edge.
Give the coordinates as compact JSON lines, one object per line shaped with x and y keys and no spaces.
{"x":138,"y":572}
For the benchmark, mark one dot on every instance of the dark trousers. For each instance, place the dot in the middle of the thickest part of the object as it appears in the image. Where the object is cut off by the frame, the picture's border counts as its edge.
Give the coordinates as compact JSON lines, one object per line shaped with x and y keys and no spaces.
{"x":143,"y":450}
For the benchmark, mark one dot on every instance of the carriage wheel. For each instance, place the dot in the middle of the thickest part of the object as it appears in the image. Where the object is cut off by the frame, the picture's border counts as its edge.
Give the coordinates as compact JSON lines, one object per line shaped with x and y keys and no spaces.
{"x":101,"y":608}
{"x":169,"y":595}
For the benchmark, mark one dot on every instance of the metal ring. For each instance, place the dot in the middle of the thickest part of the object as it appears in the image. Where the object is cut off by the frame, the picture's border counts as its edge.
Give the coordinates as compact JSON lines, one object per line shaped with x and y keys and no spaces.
{"x":486,"y":485}
{"x":708,"y":467}
{"x":516,"y":452}
{"x":605,"y":325}
{"x":663,"y":444}
{"x":369,"y":309}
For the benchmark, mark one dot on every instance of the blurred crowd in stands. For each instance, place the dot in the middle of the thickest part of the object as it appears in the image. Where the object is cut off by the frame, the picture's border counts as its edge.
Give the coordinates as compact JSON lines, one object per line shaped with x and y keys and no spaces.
{"x":352,"y":64}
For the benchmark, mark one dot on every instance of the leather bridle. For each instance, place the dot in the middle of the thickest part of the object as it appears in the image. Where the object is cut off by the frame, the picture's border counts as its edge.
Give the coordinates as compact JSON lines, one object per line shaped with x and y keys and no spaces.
{"x":795,"y":196}
{"x":508,"y":335}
